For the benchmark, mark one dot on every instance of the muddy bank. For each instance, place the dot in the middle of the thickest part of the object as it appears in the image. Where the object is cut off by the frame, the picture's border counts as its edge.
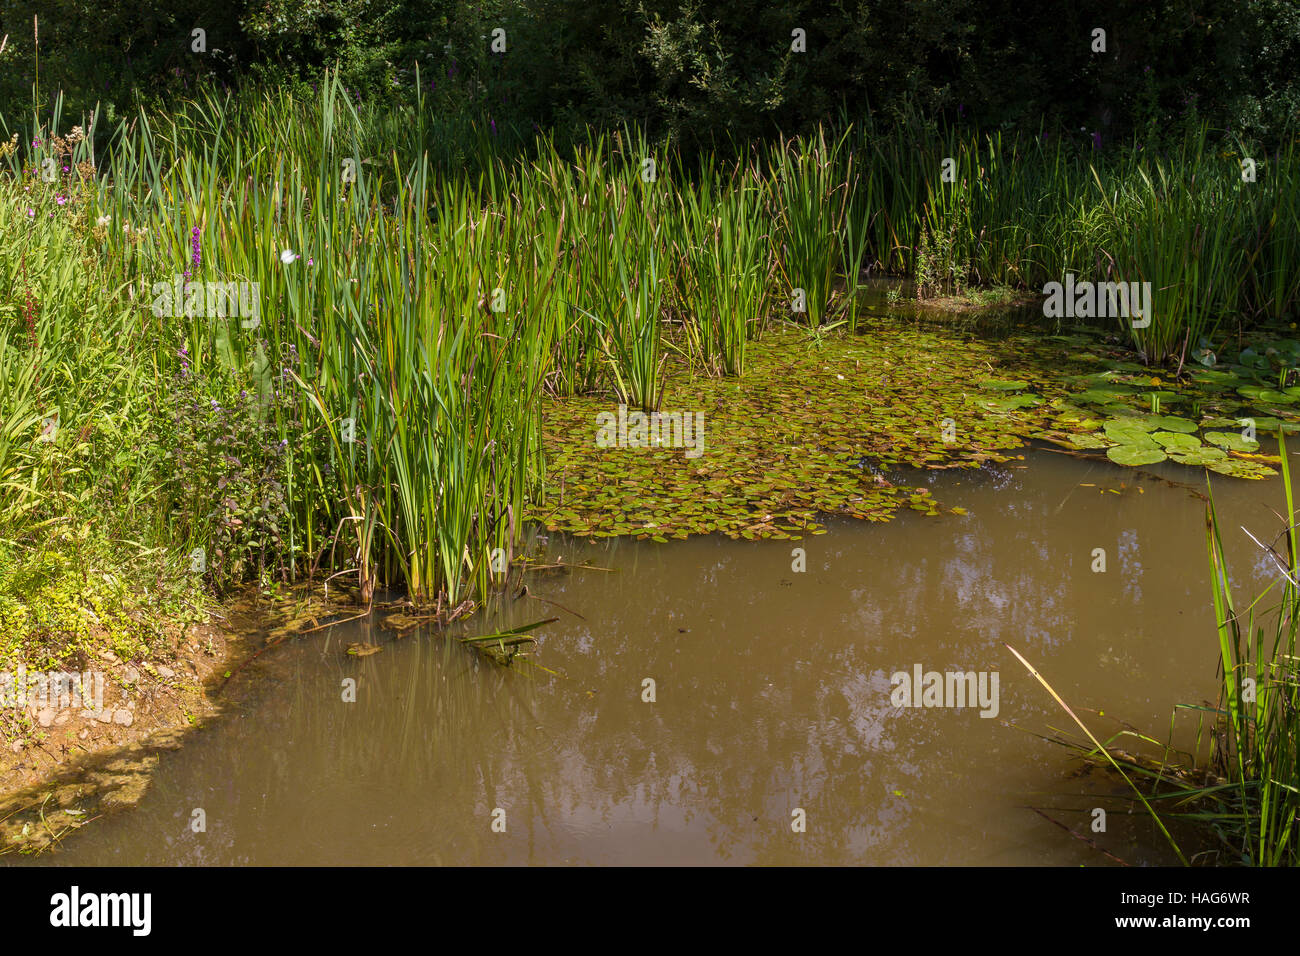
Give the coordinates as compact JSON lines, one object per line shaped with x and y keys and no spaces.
{"x":75,"y":747}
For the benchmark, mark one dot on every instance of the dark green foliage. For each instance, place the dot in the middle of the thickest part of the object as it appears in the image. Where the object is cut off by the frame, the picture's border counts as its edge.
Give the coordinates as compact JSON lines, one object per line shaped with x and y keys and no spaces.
{"x":699,"y":73}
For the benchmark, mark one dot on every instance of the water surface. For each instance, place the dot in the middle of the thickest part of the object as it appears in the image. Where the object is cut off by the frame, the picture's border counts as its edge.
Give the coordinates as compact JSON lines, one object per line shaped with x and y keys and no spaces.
{"x":772,"y":692}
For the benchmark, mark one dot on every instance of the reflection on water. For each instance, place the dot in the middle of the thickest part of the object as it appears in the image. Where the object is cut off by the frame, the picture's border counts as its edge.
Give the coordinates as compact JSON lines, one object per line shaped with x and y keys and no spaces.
{"x":772,"y":692}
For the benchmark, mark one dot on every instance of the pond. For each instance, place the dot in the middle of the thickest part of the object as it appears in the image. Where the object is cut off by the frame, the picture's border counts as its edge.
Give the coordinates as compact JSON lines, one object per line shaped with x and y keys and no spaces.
{"x":771,"y":695}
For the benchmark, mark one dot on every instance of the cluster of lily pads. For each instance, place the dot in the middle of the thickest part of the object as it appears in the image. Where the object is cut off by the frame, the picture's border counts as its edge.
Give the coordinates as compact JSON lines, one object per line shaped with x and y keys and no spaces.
{"x":808,"y":431}
{"x":822,"y":428}
{"x":1206,"y":417}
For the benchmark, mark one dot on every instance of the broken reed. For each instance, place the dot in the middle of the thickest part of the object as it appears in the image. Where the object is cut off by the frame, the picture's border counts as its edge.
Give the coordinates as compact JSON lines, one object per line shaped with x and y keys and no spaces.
{"x":445,"y":278}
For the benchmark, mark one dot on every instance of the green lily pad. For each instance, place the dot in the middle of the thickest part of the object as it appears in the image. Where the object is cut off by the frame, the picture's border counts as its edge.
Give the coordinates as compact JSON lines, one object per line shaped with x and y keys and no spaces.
{"x":1086,"y":441}
{"x":1173,"y":423}
{"x":1269,"y":395}
{"x":1231,"y":441}
{"x":1134,"y":455}
{"x":1131,"y":432}
{"x":1265,"y":424}
{"x":1176,"y":441}
{"x":1242,"y":469}
{"x":1008,"y":403}
{"x":1201,"y":456}
{"x":1001,"y":385}
{"x":1093,"y":397}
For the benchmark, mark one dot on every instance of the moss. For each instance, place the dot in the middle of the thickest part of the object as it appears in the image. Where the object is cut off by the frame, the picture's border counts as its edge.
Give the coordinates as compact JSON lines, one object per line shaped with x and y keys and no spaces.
{"x":61,"y":606}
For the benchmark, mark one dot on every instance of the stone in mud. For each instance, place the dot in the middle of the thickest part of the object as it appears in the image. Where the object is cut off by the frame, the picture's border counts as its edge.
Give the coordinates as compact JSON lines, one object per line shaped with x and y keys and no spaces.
{"x":17,"y":746}
{"x":131,"y":674}
{"x":124,"y":717}
{"x":85,"y":732}
{"x":104,"y":716}
{"x":165,"y":672}
{"x":60,"y":720}
{"x":45,"y":716}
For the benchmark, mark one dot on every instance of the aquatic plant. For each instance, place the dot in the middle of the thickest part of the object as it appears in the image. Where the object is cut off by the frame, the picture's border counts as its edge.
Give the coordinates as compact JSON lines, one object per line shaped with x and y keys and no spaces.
{"x":420,"y":286}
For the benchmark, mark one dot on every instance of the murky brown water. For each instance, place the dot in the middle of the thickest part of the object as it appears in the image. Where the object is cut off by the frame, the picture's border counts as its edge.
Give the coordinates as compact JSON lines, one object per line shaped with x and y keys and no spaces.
{"x":772,"y":693}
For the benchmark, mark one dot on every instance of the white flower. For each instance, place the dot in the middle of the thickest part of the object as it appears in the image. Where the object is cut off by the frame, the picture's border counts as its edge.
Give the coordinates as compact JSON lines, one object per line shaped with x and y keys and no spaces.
{"x":103,"y":221}
{"x":288,"y":256}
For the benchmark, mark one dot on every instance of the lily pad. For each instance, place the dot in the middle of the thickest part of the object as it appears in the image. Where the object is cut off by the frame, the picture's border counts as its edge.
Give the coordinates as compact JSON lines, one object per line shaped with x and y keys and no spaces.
{"x":1135,"y":455}
{"x":1008,"y":403}
{"x":1130,"y":432}
{"x":1201,"y":456}
{"x":1231,"y":441}
{"x":1242,"y":469}
{"x":1268,"y":395}
{"x":1176,"y":441}
{"x":1087,"y":441}
{"x":1173,"y":423}
{"x":1093,"y":396}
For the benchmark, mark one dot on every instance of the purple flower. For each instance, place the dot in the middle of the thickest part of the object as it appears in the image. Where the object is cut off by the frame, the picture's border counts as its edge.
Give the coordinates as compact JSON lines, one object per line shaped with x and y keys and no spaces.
{"x":1096,"y":140}
{"x":494,"y":126}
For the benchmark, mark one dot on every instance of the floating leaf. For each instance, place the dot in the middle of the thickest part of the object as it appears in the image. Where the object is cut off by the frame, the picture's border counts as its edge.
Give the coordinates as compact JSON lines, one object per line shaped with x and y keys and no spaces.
{"x":1173,"y":423}
{"x":1242,"y":469}
{"x":1001,"y":385}
{"x":1134,"y":455}
{"x":1176,"y":441}
{"x":1085,"y":441}
{"x":1129,"y":432}
{"x":1200,"y":456}
{"x":1231,"y":441}
{"x":1268,"y":395}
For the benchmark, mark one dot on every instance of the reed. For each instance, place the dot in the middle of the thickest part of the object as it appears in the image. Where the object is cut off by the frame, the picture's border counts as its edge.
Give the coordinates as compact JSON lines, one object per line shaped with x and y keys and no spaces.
{"x":812,"y":199}
{"x":423,"y":279}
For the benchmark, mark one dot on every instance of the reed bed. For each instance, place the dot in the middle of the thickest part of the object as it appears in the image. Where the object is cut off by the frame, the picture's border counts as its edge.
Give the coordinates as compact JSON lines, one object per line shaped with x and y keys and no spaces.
{"x":421,"y":282}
